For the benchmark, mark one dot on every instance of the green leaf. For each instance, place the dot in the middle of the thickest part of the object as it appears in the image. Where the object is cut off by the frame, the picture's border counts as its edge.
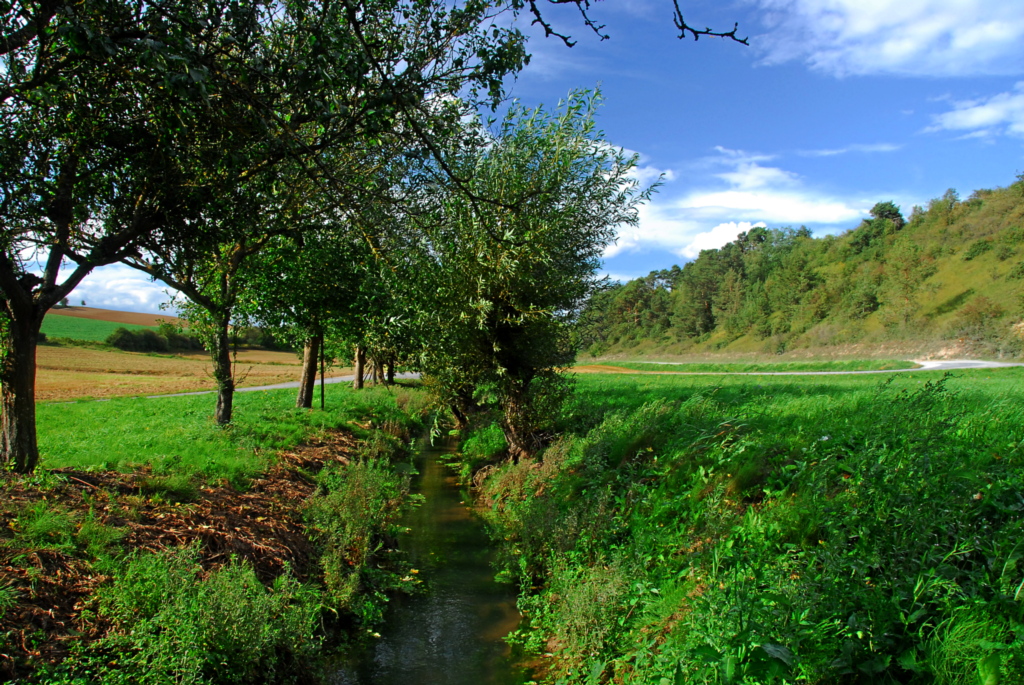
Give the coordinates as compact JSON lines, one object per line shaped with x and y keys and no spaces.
{"x":779,"y":653}
{"x":988,"y":669}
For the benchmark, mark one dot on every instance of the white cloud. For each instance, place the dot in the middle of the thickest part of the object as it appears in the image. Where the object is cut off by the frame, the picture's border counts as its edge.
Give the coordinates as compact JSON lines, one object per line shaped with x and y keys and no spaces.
{"x":907,"y":37}
{"x":737,"y":192}
{"x":875,"y":147}
{"x":997,"y":115}
{"x":120,"y":287}
{"x":717,"y":237}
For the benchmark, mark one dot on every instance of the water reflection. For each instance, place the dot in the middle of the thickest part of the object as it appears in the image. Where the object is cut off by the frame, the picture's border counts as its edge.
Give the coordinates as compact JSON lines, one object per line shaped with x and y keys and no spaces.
{"x":453,"y":633}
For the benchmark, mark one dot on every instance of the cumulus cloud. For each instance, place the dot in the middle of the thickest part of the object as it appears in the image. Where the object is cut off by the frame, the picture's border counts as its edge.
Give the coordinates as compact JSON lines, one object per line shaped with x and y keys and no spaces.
{"x":120,"y":287}
{"x":738,"y":191}
{"x":997,"y":115}
{"x":906,"y":37}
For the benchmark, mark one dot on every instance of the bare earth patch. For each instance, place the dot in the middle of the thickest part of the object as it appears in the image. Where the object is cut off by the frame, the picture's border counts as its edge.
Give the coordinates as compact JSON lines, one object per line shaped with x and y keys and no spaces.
{"x":115,"y":316}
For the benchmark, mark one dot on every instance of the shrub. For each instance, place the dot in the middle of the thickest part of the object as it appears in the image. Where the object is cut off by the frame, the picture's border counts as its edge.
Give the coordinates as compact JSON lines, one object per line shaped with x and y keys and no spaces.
{"x":977,"y":249}
{"x":172,"y":626}
{"x":347,"y":519}
{"x":143,"y":340}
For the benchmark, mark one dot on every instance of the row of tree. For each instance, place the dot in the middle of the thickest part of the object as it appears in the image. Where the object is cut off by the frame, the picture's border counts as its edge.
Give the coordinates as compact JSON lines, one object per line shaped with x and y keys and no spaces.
{"x":454,"y":249}
{"x":324,"y":154}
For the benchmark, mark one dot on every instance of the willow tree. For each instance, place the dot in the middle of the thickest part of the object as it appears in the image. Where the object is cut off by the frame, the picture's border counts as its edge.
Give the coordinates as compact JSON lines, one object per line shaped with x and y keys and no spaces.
{"x":512,"y":258}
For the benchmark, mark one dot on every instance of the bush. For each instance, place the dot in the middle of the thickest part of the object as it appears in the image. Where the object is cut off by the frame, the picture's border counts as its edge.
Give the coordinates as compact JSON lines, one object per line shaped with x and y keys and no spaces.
{"x":143,"y":340}
{"x":172,"y":626}
{"x":977,"y":249}
{"x":348,"y":519}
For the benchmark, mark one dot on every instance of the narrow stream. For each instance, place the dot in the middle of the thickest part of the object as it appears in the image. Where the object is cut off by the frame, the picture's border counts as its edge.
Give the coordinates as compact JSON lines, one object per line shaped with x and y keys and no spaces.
{"x":452,"y":634}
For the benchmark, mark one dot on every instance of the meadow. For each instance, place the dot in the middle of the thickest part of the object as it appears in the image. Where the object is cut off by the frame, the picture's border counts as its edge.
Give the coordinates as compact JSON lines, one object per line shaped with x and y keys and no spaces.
{"x":77,"y":328}
{"x":764,"y":529}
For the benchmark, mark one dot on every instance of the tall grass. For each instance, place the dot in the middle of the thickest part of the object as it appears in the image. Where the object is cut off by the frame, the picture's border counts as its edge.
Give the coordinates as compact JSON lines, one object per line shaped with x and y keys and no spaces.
{"x":774,"y":530}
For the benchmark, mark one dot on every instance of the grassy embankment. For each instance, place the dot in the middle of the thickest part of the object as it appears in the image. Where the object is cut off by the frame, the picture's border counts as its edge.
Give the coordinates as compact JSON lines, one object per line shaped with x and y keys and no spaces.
{"x":767,"y":529}
{"x":152,"y":545}
{"x":761,"y":367}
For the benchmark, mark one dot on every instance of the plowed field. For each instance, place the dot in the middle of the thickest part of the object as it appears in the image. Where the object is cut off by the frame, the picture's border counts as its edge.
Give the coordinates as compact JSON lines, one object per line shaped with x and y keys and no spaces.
{"x":66,"y":373}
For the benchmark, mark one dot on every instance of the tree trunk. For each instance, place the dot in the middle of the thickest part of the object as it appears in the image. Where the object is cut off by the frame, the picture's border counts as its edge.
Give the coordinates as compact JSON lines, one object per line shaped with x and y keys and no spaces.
{"x":360,"y":365}
{"x":20,"y":451}
{"x":323,"y":372}
{"x":391,"y":372}
{"x":376,"y":371}
{"x":222,"y":372}
{"x":310,"y":357}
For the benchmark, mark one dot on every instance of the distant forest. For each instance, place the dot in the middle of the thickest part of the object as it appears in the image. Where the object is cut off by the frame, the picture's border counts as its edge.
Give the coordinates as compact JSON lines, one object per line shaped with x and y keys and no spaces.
{"x":953,"y":270}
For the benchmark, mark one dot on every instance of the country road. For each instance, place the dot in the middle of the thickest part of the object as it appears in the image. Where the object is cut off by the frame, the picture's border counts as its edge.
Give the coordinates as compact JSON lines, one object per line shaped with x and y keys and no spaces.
{"x":278,"y":386}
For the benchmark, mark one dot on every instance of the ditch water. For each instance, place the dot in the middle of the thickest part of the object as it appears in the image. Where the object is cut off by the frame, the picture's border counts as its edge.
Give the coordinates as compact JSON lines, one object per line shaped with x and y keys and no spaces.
{"x":452,"y":633}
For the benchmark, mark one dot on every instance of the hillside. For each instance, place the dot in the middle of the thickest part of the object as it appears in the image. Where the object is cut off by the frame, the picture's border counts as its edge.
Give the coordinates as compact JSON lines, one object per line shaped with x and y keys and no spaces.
{"x":946,"y":280}
{"x":112,"y":315}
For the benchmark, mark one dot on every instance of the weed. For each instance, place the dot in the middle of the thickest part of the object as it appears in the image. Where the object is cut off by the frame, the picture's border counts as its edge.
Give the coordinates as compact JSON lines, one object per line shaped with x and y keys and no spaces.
{"x":173,"y":626}
{"x":851,"y":531}
{"x":172,"y":488}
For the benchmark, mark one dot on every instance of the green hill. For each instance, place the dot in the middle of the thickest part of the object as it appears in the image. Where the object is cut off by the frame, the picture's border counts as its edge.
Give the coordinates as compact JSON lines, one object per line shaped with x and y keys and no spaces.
{"x":57,"y":326}
{"x":951,"y":276}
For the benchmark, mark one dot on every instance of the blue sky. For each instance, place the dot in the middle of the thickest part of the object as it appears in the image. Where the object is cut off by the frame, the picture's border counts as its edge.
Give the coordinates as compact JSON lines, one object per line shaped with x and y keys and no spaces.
{"x":834,"y":106}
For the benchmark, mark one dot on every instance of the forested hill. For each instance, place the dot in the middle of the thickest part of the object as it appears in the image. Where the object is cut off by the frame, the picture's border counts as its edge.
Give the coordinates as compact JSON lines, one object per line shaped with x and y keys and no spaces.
{"x":949,"y":274}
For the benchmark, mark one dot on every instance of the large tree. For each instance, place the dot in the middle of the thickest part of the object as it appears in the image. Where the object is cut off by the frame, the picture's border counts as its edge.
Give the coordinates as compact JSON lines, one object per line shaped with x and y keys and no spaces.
{"x":512,"y":260}
{"x":108,"y":109}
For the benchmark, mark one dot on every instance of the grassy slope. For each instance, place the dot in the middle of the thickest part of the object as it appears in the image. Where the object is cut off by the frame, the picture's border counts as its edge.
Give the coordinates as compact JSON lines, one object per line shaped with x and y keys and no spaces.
{"x":75,"y":328}
{"x":775,"y":529}
{"x":177,"y":434}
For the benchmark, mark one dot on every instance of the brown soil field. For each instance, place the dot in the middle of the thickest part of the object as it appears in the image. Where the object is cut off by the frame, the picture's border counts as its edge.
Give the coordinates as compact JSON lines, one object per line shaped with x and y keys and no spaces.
{"x":114,"y":316}
{"x":66,"y":373}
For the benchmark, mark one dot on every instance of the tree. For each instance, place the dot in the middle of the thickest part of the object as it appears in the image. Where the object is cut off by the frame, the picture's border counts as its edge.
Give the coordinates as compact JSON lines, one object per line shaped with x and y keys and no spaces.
{"x":305,"y":287}
{"x":510,"y":272}
{"x":102,"y":105}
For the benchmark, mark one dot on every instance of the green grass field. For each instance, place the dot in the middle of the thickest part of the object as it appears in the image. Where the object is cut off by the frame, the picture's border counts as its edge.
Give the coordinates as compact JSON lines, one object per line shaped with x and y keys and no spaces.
{"x":75,"y":328}
{"x":772,"y":529}
{"x":177,"y":434}
{"x":768,"y":367}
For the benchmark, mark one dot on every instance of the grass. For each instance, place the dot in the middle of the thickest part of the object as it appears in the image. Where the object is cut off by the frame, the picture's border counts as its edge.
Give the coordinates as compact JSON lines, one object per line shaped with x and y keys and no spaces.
{"x":176,"y":435}
{"x":769,"y":367}
{"x":773,"y":529}
{"x":75,"y":328}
